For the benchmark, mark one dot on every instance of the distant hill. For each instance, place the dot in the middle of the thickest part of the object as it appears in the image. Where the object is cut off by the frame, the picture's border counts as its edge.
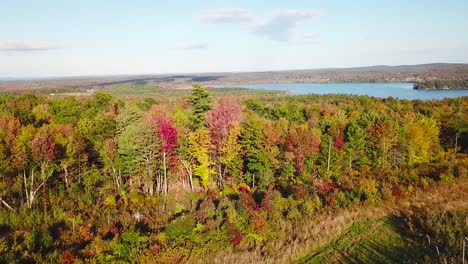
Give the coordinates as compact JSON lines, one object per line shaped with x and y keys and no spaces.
{"x":397,"y":68}
{"x":379,"y":73}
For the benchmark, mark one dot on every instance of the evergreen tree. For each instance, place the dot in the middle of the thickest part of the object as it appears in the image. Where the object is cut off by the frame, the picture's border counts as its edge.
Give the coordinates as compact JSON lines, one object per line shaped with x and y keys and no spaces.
{"x":201,"y":102}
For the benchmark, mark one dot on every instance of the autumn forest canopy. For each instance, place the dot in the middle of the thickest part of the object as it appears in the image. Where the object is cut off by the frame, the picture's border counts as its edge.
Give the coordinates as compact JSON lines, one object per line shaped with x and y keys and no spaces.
{"x":103,"y":179}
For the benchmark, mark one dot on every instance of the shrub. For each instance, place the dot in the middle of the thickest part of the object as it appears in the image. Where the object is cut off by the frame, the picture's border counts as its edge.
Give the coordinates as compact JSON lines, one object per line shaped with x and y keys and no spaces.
{"x":258,"y":224}
{"x":110,"y":200}
{"x":235,"y":236}
{"x":181,"y":228}
{"x":445,"y":177}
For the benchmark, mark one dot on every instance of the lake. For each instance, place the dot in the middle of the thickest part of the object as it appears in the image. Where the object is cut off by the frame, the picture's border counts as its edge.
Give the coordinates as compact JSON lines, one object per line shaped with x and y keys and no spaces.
{"x":382,"y":90}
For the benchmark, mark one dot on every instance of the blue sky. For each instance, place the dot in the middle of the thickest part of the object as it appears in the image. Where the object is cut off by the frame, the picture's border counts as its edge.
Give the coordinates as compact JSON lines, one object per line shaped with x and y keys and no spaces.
{"x":96,"y":37}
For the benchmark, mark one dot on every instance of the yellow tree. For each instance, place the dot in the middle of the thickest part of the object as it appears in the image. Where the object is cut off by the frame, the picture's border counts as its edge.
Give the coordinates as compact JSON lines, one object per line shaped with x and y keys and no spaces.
{"x":199,"y":143}
{"x":422,"y":137}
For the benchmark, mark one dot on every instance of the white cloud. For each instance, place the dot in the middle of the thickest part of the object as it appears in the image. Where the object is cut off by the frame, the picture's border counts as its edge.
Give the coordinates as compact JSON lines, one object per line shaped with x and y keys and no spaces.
{"x":26,"y":46}
{"x":281,"y":27}
{"x":227,"y":15}
{"x":198,"y":46}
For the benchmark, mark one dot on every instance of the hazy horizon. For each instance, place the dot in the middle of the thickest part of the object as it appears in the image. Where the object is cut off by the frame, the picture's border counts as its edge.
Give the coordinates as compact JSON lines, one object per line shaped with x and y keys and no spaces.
{"x":7,"y":78}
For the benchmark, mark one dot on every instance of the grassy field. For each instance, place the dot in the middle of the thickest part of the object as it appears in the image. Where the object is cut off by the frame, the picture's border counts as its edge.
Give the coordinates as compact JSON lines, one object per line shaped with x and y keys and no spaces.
{"x":408,"y":234}
{"x":382,"y":241}
{"x":155,"y":92}
{"x":136,"y":91}
{"x":366,"y":234}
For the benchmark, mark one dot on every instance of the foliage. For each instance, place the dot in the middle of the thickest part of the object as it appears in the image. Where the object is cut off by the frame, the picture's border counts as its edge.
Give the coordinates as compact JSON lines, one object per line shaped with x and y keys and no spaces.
{"x":235,"y":175}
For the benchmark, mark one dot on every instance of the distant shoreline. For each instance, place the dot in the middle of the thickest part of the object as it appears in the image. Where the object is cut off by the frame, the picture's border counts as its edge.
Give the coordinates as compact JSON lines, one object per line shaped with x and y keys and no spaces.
{"x":441,"y":85}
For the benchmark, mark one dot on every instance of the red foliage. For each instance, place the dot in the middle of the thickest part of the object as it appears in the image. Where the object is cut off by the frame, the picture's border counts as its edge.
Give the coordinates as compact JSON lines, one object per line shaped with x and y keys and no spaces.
{"x":249,"y":202}
{"x":68,"y":257}
{"x":267,"y":200}
{"x":398,"y":193}
{"x":339,"y":142}
{"x":167,"y":133}
{"x":44,"y":149}
{"x":258,"y":224}
{"x":236,"y":237}
{"x":222,"y":118}
{"x":211,"y":194}
{"x":10,"y":125}
{"x":302,"y":143}
{"x":325,"y":188}
{"x":111,"y":148}
{"x":86,"y":233}
{"x":61,"y":232}
{"x":330,"y":199}
{"x":244,"y":189}
{"x":201,"y":216}
{"x":154,"y":249}
{"x":300,"y":192}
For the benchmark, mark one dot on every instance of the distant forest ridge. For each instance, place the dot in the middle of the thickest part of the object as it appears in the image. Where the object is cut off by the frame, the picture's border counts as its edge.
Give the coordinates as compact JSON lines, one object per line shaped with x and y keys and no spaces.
{"x":371,"y":74}
{"x":442,"y":85}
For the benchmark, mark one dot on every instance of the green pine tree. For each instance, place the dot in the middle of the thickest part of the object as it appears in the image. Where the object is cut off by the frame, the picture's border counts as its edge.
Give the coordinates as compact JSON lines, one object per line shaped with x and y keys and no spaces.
{"x":201,"y":102}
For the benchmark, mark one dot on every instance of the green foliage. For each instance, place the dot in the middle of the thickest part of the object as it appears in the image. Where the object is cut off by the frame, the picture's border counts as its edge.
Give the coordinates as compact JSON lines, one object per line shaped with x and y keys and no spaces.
{"x":201,"y":102}
{"x":441,"y":84}
{"x":181,"y":229}
{"x":97,"y":164}
{"x":446,"y":230}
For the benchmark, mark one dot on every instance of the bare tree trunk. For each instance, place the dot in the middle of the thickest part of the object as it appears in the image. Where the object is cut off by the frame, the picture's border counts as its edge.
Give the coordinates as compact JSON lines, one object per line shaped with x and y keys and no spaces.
{"x":350,"y":163}
{"x":67,"y":186}
{"x":253,"y":180}
{"x":456,"y":147}
{"x":26,"y":188}
{"x":165,"y":173}
{"x":160,"y":184}
{"x":220,"y":172}
{"x":188,"y":168}
{"x":329,"y":153}
{"x":44,"y":190}
{"x":6,"y":204}
{"x":115,"y":177}
{"x":463,"y":256}
{"x":31,"y":192}
{"x":119,"y":178}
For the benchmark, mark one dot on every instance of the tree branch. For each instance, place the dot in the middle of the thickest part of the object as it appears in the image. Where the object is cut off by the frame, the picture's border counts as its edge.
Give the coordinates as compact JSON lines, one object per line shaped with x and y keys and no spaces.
{"x":6,"y":204}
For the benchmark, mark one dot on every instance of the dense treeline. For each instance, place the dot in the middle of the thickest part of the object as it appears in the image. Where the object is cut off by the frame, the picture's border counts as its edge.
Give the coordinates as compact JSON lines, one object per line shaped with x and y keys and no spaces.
{"x":441,"y":85}
{"x":100,"y":179}
{"x":445,"y":235}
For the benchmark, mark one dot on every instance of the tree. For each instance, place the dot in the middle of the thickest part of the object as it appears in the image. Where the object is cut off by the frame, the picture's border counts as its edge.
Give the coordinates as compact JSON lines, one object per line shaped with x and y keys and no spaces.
{"x":71,"y":149}
{"x":422,"y":137}
{"x":201,"y":102}
{"x":167,"y":135}
{"x":230,"y":153}
{"x":255,"y":159}
{"x":384,"y":136}
{"x":42,"y":114}
{"x":146,"y":146}
{"x":121,"y":153}
{"x":221,"y":120}
{"x":44,"y":151}
{"x":355,"y":144}
{"x":109,"y":154}
{"x":9,"y":130}
{"x":303,"y":144}
{"x":199,"y":142}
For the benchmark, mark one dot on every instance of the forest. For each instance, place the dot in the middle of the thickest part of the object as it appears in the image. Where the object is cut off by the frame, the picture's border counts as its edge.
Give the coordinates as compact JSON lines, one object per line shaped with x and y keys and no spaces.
{"x":203,"y":178}
{"x":441,"y":85}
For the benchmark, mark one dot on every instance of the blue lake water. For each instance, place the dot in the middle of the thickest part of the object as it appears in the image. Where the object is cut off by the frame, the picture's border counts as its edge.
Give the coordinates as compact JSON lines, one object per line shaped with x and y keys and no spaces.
{"x":382,"y":90}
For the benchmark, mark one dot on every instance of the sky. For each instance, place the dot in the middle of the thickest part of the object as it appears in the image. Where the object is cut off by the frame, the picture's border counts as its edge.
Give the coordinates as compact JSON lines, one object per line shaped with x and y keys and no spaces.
{"x":46,"y":38}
